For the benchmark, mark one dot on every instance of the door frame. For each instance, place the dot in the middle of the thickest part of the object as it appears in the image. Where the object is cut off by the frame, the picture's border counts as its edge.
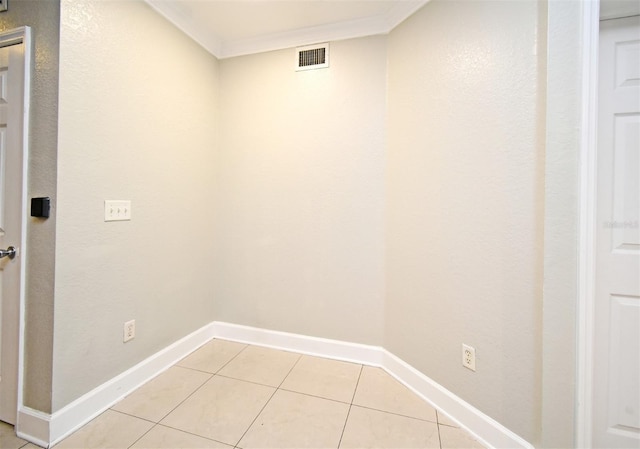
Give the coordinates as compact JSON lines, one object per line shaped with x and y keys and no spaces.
{"x":587,"y":223}
{"x":586,"y":282}
{"x":22,"y":35}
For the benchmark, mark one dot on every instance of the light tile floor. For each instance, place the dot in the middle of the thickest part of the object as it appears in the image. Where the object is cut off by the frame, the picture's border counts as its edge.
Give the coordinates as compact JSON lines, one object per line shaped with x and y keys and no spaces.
{"x":231,"y":395}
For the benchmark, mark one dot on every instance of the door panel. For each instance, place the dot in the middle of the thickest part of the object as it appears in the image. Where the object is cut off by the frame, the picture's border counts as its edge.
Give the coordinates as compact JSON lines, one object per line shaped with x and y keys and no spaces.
{"x":623,"y":380}
{"x":616,"y":376}
{"x":626,"y":184}
{"x":11,"y":221}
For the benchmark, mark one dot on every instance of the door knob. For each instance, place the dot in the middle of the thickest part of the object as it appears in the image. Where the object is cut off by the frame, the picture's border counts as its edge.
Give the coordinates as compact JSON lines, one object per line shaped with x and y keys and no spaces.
{"x":9,"y":252}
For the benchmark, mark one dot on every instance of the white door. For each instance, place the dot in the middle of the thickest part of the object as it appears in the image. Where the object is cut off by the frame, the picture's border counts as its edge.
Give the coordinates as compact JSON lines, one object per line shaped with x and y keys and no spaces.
{"x":616,"y":376}
{"x":12,"y":198}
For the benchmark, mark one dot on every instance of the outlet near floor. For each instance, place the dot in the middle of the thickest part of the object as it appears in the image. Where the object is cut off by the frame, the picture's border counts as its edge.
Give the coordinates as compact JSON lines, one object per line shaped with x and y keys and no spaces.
{"x":469,"y":357}
{"x":129,"y":330}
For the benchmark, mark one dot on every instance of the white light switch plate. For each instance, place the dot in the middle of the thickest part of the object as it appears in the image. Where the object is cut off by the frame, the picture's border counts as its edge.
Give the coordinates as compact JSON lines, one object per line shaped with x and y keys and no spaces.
{"x":117,"y":210}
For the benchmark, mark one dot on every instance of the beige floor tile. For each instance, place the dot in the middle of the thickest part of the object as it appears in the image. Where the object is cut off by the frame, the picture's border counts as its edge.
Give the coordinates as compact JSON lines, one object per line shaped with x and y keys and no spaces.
{"x":368,"y":428}
{"x":109,"y":430}
{"x":378,"y":390}
{"x":445,"y":420}
{"x":222,"y":409}
{"x":456,"y":438}
{"x":261,"y":365}
{"x":30,"y":446}
{"x":155,"y":399}
{"x":212,"y":356}
{"x":161,"y":437}
{"x":326,"y":378}
{"x":292,"y":420}
{"x":8,"y":438}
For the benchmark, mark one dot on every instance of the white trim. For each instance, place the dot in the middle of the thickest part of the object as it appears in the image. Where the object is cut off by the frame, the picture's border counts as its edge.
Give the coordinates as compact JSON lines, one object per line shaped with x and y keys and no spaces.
{"x":485,"y":429}
{"x":22,"y":35}
{"x":203,"y":35}
{"x":175,"y":13}
{"x":39,"y":427}
{"x":587,"y":225}
{"x":401,"y":11}
{"x":297,"y":38}
{"x":33,"y":426}
{"x":322,"y":347}
{"x":43,"y":429}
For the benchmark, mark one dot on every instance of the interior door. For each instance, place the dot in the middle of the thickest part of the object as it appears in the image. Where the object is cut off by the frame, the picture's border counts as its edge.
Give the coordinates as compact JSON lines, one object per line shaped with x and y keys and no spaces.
{"x":616,"y":377}
{"x":12,"y":198}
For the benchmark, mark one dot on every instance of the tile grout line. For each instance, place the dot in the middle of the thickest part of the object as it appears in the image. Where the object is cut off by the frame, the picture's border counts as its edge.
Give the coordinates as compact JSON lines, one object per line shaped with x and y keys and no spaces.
{"x":194,"y":434}
{"x":396,"y":414}
{"x":439,"y":435}
{"x":143,"y":435}
{"x":270,"y":397}
{"x":211,"y":376}
{"x":438,"y":425}
{"x":246,"y":381}
{"x":188,"y":396}
{"x":314,"y":396}
{"x":137,"y":417}
{"x":350,"y":406}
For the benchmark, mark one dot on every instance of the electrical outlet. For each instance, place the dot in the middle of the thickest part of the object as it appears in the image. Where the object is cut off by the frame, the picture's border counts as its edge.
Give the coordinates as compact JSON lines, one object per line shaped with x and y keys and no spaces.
{"x":129,"y":331}
{"x":468,"y":357}
{"x":4,"y":5}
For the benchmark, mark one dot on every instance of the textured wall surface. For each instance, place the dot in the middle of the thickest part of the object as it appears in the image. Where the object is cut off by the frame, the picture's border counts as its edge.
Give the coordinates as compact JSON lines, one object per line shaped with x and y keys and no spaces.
{"x":465,"y":203}
{"x":561,"y":222}
{"x":301,"y":193}
{"x":44,"y":19}
{"x":138,"y":110}
{"x":280,"y":217}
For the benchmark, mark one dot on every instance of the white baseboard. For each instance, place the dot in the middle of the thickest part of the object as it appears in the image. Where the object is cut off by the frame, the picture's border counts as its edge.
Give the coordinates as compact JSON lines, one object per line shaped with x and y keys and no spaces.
{"x":485,"y":429}
{"x":43,"y":429}
{"x":323,"y":347}
{"x":33,"y":426}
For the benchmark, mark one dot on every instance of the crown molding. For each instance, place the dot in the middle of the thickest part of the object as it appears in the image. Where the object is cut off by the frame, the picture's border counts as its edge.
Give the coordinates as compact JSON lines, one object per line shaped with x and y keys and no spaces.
{"x":221,"y":49}
{"x":185,"y":22}
{"x":305,"y":36}
{"x":402,"y":11}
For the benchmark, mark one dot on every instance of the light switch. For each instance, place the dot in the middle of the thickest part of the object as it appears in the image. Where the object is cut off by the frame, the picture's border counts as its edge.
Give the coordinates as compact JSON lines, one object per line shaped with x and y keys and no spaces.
{"x":117,"y":210}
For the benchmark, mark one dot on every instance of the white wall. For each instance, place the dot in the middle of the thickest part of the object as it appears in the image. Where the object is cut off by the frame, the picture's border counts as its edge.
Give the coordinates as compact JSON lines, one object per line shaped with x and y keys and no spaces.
{"x":285,"y":229}
{"x":44,"y":19}
{"x":562,"y":154}
{"x":137,"y":120}
{"x":465,"y":202}
{"x":301,"y":189}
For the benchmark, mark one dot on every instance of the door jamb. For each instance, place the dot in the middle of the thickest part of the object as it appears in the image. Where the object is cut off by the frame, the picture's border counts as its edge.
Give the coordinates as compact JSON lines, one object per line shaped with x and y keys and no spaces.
{"x":22,"y":35}
{"x":587,"y":223}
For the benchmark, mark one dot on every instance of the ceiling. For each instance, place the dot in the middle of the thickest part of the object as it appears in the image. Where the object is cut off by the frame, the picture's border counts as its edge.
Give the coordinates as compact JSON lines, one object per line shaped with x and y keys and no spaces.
{"x":228,"y":28}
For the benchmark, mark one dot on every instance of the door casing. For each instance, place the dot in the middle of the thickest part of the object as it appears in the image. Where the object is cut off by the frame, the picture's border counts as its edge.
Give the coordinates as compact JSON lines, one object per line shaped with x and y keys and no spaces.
{"x":22,"y":35}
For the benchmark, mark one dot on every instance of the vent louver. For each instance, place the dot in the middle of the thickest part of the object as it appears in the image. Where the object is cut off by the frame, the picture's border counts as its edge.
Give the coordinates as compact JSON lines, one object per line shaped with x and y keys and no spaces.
{"x":312,"y":57}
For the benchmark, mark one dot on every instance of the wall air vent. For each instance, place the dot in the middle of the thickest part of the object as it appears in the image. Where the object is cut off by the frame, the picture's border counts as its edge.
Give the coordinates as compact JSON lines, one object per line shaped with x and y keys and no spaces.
{"x":312,"y":57}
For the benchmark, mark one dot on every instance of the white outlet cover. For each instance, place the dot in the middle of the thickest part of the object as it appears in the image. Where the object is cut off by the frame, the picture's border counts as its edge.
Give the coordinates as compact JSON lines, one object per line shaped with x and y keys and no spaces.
{"x":469,"y":357}
{"x":129,"y":332}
